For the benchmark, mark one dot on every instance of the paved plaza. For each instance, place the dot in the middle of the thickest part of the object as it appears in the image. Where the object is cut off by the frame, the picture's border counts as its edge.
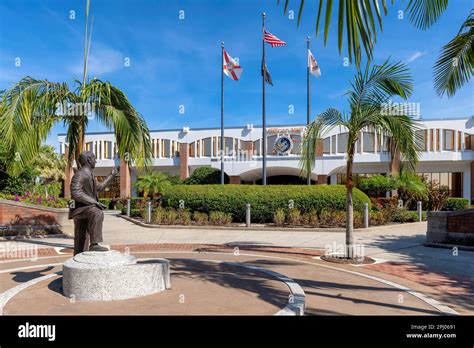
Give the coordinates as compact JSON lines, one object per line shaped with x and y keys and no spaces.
{"x":407,"y":279}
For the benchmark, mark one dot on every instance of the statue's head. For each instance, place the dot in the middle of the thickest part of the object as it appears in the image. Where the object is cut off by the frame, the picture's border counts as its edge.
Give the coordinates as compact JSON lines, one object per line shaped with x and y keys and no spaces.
{"x":87,"y":158}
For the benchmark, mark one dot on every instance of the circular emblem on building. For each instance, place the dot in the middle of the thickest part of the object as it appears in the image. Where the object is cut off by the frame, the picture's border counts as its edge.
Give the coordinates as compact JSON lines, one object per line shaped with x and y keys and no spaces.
{"x":283,"y":145}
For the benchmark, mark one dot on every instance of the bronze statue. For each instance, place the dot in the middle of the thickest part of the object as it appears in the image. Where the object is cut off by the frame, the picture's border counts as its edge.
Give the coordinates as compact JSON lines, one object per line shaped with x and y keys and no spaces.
{"x":86,"y":210}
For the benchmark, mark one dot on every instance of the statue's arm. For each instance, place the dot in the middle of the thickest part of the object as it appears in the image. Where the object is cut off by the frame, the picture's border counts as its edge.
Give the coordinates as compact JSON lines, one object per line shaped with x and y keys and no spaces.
{"x":102,"y":185}
{"x":77,"y":191}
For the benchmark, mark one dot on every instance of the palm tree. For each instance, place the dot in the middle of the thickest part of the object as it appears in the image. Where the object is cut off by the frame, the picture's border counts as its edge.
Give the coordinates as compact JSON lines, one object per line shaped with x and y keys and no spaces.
{"x":30,"y":108}
{"x":369,"y":93}
{"x":154,"y":183}
{"x":455,"y":65}
{"x":361,"y":18}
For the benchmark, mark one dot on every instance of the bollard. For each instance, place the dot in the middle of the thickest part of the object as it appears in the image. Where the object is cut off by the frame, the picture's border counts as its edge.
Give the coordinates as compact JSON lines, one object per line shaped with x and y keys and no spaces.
{"x":247,"y":214}
{"x":366,"y":215}
{"x":420,"y":211}
{"x":148,"y":212}
{"x":129,"y":204}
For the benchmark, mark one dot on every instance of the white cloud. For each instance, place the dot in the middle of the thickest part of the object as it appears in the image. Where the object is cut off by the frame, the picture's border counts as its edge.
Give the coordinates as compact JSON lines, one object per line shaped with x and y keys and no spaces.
{"x":102,"y":60}
{"x":415,"y":56}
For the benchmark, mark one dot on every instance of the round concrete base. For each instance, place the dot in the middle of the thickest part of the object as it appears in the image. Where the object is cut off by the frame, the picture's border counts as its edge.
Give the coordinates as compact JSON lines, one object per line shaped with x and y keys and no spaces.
{"x":111,"y":275}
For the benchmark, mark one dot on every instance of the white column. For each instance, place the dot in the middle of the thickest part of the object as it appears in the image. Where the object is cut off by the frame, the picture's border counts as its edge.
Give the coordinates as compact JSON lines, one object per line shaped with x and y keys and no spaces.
{"x":456,"y":137}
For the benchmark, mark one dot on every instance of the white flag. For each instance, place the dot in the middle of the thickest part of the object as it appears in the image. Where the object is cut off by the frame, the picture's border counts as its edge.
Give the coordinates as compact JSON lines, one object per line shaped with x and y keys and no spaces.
{"x":231,"y":67}
{"x":313,"y":65}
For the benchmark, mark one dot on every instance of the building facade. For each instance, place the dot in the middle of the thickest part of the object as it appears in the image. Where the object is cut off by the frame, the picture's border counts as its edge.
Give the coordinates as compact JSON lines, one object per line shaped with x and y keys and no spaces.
{"x":447,"y":155}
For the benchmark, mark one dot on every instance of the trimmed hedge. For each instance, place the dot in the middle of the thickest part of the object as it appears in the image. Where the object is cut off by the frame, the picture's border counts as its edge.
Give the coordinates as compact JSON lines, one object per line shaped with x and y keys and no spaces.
{"x":455,"y":203}
{"x":264,"y":200}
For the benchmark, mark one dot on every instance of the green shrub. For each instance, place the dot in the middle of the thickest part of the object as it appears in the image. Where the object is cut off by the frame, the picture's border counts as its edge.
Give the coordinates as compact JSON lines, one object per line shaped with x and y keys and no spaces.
{"x":332,"y":218}
{"x":358,"y":219}
{"x":294,"y":217}
{"x":200,"y":218}
{"x":279,"y":217}
{"x":378,"y":218}
{"x":137,"y":212}
{"x":310,"y":218}
{"x":206,"y":176}
{"x":105,"y":201}
{"x":157,"y":216}
{"x":183,"y":217}
{"x":170,"y":216}
{"x":404,"y":215}
{"x":377,"y":185}
{"x":219,"y":218}
{"x":264,"y":200}
{"x":455,"y":203}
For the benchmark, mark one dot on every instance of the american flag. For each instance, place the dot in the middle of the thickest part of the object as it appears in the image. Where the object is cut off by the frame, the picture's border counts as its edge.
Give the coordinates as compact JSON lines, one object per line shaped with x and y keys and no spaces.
{"x":272,"y":39}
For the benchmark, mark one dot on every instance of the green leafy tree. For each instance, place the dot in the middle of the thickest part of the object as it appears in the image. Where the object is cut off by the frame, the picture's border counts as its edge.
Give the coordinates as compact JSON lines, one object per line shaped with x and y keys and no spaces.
{"x":154,"y":183}
{"x":411,"y":188}
{"x":370,"y":90}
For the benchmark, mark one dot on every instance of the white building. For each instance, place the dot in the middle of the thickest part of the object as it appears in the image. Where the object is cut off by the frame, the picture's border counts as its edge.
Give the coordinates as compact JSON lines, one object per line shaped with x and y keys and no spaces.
{"x":447,"y":156}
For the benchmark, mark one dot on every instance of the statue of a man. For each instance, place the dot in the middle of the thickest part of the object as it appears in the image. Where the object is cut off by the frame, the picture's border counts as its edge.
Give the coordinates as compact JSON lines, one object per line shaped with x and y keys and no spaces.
{"x":86,"y":209}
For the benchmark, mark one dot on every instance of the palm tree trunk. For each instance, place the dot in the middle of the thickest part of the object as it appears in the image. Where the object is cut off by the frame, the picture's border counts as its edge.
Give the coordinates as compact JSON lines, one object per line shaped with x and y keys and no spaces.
{"x":349,"y":206}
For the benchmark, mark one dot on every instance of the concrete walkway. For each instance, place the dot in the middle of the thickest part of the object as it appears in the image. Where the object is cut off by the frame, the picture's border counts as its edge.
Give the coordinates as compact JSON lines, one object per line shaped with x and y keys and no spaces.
{"x":397,"y":243}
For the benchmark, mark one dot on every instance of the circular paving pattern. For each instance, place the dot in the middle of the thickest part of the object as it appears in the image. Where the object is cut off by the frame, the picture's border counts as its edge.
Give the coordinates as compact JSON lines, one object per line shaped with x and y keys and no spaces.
{"x":222,"y":283}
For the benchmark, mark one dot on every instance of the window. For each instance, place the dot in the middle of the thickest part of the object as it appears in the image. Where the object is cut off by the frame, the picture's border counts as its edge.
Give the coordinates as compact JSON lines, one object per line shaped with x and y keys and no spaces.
{"x":459,"y":141}
{"x":107,"y":150}
{"x":257,"y":148}
{"x":342,"y":142}
{"x":431,"y":139}
{"x":333,"y":144}
{"x":228,"y":146}
{"x":326,"y":146}
{"x":89,"y":146}
{"x":448,"y":139}
{"x":206,"y":147}
{"x":165,"y":148}
{"x":467,"y":142}
{"x":453,"y":181}
{"x":369,"y":144}
{"x":421,"y":139}
{"x":191,"y":149}
{"x":437,"y":140}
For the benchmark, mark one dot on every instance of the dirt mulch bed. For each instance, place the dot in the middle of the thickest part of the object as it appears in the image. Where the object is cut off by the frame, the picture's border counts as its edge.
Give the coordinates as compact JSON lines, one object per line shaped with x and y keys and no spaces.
{"x":344,"y":260}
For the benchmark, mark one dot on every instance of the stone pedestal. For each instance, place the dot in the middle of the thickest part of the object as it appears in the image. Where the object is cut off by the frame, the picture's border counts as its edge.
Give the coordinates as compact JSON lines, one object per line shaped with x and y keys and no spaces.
{"x":111,"y":275}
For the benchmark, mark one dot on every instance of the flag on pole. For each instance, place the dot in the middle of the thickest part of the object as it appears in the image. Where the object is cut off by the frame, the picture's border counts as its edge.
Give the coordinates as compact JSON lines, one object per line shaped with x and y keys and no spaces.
{"x":266,"y":74}
{"x":272,"y":39}
{"x":313,"y":65}
{"x":231,"y":68}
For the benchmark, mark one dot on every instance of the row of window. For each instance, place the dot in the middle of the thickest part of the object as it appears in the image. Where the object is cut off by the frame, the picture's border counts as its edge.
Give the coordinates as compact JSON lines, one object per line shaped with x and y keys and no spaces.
{"x":426,"y":139}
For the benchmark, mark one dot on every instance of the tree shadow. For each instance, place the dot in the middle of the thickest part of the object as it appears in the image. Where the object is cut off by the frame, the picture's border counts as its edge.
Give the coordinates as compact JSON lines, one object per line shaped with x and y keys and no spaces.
{"x":231,"y":276}
{"x":451,"y":274}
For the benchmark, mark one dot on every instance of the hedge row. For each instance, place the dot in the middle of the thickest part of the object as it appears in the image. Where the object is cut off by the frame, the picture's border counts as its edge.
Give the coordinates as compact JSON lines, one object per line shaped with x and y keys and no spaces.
{"x":264,"y":200}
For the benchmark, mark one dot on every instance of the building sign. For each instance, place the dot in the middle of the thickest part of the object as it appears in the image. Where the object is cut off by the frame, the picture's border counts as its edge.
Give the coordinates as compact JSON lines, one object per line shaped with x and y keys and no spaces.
{"x":283,"y":145}
{"x":285,"y":130}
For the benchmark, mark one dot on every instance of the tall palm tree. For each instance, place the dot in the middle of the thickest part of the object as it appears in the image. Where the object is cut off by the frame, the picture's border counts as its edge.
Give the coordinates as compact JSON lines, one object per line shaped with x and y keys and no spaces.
{"x":357,"y":20}
{"x":454,"y":67}
{"x":30,"y":108}
{"x":368,"y":96}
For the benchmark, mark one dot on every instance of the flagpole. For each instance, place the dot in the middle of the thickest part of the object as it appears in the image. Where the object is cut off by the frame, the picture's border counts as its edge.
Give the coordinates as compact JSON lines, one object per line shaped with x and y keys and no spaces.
{"x":307,"y":98}
{"x":264,"y":123}
{"x":222,"y":113}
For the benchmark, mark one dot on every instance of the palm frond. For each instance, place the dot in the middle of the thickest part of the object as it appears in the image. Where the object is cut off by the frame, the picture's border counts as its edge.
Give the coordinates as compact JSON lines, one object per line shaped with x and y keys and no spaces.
{"x":424,"y":13}
{"x":454,"y":67}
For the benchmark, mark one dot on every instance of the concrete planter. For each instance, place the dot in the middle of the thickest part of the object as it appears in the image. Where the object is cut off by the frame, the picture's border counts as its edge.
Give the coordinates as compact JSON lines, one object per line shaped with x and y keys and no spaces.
{"x":451,"y":227}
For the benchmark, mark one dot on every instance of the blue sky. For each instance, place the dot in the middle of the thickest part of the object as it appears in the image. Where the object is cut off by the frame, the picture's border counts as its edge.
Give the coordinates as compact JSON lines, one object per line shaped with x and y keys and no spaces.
{"x":176,"y":61}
